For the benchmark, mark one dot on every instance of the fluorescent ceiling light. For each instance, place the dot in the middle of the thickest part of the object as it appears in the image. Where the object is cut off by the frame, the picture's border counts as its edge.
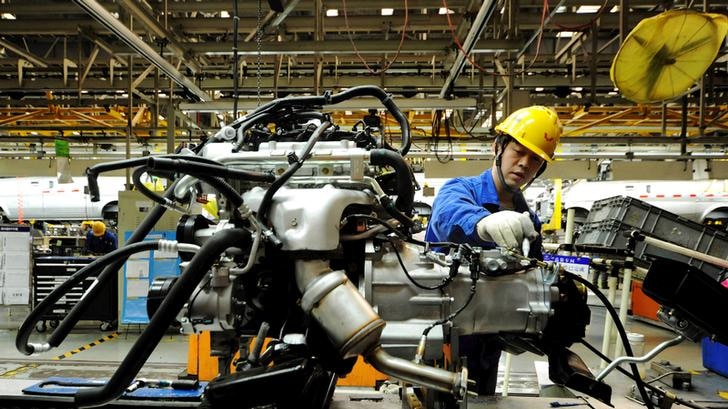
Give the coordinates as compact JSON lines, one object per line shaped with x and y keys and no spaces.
{"x":614,"y":9}
{"x":538,"y":89}
{"x":565,"y":34}
{"x":443,"y":11}
{"x":561,"y":9}
{"x":587,"y":9}
{"x":7,"y":16}
{"x":578,"y":89}
{"x":224,"y":14}
{"x":387,"y":12}
{"x":332,"y":12}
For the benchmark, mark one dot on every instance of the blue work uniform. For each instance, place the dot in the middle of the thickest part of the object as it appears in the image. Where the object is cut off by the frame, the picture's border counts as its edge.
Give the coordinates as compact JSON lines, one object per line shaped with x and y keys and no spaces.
{"x":460,"y":204}
{"x":100,"y":244}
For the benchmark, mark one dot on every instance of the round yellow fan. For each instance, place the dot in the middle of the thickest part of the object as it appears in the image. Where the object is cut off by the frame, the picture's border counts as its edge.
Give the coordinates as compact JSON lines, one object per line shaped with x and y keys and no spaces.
{"x":663,"y":56}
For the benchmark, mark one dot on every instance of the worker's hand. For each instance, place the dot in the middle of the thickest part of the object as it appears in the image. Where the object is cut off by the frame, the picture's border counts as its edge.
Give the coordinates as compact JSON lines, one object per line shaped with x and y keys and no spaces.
{"x":507,"y":228}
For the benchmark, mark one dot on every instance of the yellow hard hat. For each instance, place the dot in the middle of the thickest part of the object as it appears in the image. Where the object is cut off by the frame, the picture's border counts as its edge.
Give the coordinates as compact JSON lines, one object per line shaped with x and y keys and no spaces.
{"x":211,"y":207}
{"x":99,"y":228}
{"x":536,"y":127}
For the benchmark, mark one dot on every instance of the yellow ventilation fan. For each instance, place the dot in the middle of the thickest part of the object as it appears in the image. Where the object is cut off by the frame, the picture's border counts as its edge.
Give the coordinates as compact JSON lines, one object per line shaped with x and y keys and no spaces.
{"x":665,"y":55}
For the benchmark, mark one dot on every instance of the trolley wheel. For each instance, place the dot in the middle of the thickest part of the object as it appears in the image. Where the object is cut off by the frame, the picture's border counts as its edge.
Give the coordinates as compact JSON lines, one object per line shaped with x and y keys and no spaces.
{"x":40,"y":326}
{"x":53,"y":323}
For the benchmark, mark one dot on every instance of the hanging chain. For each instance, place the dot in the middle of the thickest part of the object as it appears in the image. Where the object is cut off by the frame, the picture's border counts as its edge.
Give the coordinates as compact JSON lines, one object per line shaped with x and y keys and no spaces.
{"x":258,"y":41}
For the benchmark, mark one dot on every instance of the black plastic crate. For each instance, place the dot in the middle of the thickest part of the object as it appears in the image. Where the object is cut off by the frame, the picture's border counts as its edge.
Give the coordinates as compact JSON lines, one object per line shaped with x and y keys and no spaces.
{"x":611,"y":217}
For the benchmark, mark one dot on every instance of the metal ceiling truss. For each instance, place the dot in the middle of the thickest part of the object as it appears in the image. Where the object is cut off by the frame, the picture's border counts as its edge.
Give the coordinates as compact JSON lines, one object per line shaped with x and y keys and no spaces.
{"x":487,"y":57}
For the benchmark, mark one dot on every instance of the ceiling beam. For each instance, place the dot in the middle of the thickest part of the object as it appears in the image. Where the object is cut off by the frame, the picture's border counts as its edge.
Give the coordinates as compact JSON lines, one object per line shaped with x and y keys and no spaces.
{"x":160,"y":32}
{"x":30,"y":57}
{"x":476,"y":29}
{"x":101,"y":15}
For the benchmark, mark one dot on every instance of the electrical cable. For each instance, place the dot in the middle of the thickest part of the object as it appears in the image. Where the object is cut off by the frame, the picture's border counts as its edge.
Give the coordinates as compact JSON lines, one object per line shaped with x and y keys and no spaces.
{"x":471,"y":295}
{"x":444,"y":283}
{"x":436,"y":139}
{"x":649,"y":386}
{"x":356,"y":50}
{"x":620,"y":329}
{"x":481,"y":68}
{"x":584,"y":26}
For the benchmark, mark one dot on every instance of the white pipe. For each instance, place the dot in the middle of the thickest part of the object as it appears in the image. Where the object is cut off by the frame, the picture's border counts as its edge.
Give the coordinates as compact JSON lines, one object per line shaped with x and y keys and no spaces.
{"x":569,"y":230}
{"x":611,"y":295}
{"x":686,"y":252}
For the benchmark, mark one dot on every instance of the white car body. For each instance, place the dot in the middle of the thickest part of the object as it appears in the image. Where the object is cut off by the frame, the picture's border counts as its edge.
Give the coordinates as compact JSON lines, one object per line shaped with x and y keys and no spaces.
{"x":43,"y":198}
{"x":697,"y":200}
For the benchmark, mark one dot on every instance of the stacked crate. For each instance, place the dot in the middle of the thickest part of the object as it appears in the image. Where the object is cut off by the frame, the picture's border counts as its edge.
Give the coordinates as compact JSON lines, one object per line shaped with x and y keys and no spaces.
{"x":610,"y":221}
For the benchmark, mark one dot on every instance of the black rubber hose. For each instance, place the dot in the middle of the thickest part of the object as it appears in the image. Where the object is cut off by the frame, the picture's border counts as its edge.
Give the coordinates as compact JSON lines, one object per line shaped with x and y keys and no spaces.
{"x":171,"y":305}
{"x":182,"y":165}
{"x":45,"y":306}
{"x":387,"y":101}
{"x":405,"y":177}
{"x":244,"y":123}
{"x":110,"y":272}
{"x":136,"y":177}
{"x":331,"y":99}
{"x":620,"y":330}
{"x":222,"y":186}
{"x":92,"y":173}
{"x":267,"y":200}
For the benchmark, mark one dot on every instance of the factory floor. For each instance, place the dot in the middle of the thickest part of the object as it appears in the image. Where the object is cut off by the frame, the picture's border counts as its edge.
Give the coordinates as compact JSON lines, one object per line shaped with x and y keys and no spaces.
{"x":90,"y":353}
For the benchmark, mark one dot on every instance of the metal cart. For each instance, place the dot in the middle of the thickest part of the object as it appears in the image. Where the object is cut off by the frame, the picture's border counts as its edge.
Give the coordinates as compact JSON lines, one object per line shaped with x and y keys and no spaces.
{"x":51,"y":271}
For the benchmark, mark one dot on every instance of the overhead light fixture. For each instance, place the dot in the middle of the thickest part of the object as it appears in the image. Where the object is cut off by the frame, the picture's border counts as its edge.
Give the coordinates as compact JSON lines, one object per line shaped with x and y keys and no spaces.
{"x":565,"y":34}
{"x":224,"y":14}
{"x":538,"y":89}
{"x":614,"y":9}
{"x":332,"y":12}
{"x":578,"y":89}
{"x":7,"y":16}
{"x":587,"y":9}
{"x":442,"y":11}
{"x":561,"y":9}
{"x":387,"y":12}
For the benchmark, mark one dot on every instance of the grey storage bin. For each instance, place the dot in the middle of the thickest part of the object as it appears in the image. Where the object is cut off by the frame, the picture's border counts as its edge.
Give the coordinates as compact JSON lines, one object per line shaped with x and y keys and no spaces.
{"x":610,"y":218}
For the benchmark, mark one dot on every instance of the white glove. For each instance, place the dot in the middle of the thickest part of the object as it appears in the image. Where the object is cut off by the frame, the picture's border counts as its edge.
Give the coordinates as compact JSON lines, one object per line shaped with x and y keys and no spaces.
{"x":506,"y":228}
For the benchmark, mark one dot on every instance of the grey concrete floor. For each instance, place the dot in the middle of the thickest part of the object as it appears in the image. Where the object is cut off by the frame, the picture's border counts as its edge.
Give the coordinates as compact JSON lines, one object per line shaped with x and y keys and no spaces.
{"x":170,"y":358}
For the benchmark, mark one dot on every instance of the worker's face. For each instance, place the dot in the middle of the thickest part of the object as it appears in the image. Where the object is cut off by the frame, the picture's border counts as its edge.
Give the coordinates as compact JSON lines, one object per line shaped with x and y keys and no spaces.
{"x":519,"y":165}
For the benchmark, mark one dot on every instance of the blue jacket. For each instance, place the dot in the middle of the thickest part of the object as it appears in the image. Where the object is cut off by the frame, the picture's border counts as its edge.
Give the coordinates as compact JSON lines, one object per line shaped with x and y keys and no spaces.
{"x":462,"y":202}
{"x":100,"y":244}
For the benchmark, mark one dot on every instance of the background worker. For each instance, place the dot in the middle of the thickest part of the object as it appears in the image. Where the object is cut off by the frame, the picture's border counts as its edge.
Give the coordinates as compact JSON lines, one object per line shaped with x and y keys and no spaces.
{"x":489,"y":210}
{"x":99,"y":240}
